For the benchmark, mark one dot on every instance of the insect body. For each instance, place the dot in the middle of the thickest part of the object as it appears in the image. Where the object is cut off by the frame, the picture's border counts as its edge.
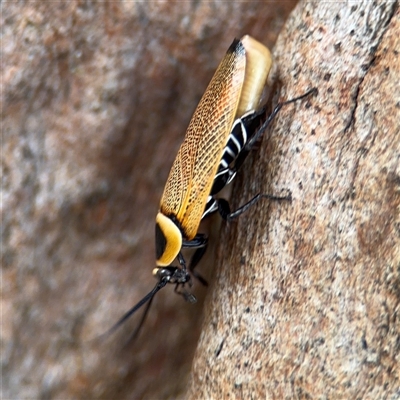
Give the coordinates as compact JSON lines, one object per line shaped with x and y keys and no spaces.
{"x":215,"y":137}
{"x":221,"y":133}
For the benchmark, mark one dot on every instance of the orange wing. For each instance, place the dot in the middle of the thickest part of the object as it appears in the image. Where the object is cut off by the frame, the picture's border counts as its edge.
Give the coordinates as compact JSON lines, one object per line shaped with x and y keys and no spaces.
{"x":192,"y":173}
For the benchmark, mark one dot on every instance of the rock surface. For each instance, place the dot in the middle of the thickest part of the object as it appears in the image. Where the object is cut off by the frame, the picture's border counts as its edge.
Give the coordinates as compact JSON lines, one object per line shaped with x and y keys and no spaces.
{"x":305,"y":302}
{"x":96,"y":97}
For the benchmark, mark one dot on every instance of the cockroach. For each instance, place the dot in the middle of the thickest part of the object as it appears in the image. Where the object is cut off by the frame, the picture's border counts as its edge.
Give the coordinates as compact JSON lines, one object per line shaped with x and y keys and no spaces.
{"x":224,"y":128}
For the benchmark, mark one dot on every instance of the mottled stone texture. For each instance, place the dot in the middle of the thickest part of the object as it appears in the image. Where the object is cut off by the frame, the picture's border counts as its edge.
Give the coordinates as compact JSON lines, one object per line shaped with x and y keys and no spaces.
{"x":305,"y":303}
{"x":95,"y":100}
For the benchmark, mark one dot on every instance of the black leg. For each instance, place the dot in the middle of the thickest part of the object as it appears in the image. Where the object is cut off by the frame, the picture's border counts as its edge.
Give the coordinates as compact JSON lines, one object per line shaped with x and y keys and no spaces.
{"x":225,"y":211}
{"x":197,"y":256}
{"x":259,"y":132}
{"x":182,"y":261}
{"x":200,"y":242}
{"x":264,"y":126}
{"x":189,"y":297}
{"x":223,"y":205}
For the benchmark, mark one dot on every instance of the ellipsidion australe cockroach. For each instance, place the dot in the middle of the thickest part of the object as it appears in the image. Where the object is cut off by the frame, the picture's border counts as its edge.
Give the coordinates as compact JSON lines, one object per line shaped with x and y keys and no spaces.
{"x":223,"y":130}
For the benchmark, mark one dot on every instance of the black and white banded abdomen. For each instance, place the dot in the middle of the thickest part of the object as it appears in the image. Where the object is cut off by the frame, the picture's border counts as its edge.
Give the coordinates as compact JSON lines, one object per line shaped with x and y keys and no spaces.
{"x":243,"y":130}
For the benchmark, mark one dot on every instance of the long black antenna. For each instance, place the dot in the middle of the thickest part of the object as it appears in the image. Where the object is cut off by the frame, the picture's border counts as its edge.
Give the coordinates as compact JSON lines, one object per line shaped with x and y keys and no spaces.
{"x":148,"y":298}
{"x":140,"y":324}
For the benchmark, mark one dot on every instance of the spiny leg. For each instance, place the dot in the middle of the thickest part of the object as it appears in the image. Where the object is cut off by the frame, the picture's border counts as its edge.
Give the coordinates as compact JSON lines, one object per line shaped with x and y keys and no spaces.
{"x":246,"y":132}
{"x":271,"y":117}
{"x":225,"y":210}
{"x":223,"y":205}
